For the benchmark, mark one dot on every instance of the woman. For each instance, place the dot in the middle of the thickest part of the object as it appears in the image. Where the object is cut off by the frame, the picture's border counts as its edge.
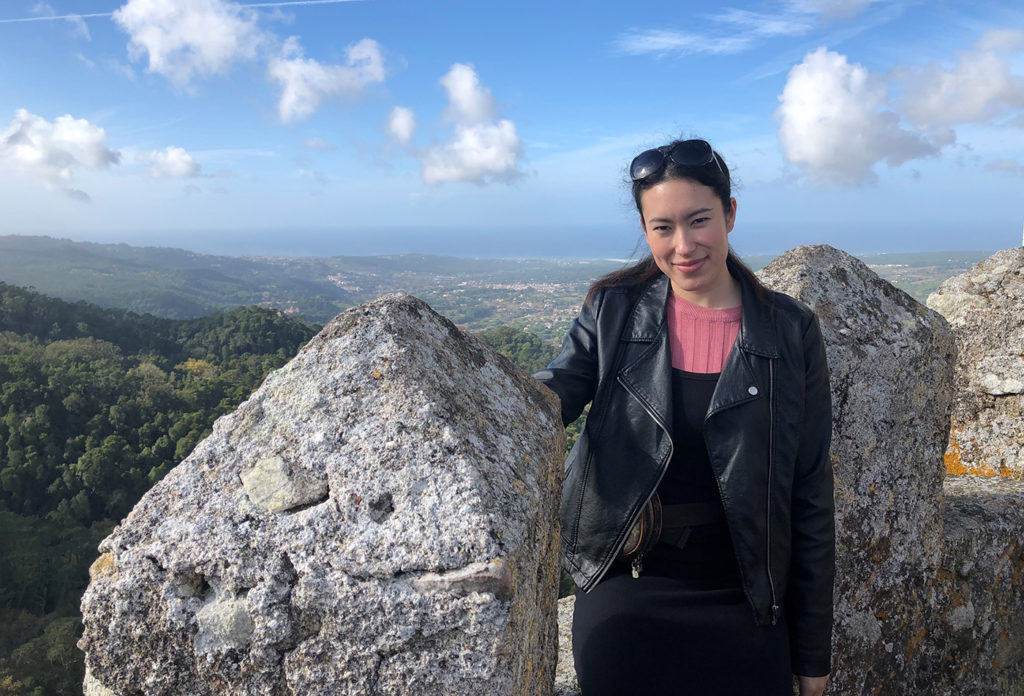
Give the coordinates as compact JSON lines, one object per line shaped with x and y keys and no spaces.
{"x":709,"y":395}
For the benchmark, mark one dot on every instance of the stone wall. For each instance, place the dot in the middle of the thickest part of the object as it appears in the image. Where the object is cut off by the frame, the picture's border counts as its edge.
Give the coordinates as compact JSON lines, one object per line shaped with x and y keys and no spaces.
{"x":375,"y":519}
{"x":891,"y":364}
{"x":985,"y":308}
{"x":975,"y":641}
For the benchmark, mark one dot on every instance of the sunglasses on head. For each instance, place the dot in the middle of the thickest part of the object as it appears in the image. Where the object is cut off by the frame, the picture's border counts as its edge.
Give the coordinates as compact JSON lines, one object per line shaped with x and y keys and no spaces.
{"x":688,"y":153}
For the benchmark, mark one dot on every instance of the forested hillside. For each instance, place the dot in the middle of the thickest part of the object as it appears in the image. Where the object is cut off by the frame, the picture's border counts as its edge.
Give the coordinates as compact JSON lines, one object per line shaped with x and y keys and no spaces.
{"x":97,"y":405}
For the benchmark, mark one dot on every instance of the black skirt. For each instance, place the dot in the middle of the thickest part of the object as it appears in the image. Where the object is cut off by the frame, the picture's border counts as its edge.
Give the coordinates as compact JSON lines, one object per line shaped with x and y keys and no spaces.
{"x":684,"y":626}
{"x":665,"y":633}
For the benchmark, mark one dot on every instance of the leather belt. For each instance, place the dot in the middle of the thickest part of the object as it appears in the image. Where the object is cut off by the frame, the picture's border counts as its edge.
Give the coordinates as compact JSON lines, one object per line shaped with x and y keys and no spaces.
{"x":677,"y":520}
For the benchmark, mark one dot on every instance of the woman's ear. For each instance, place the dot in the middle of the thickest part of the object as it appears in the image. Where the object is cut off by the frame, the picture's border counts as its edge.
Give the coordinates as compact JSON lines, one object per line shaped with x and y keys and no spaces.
{"x":730,"y":216}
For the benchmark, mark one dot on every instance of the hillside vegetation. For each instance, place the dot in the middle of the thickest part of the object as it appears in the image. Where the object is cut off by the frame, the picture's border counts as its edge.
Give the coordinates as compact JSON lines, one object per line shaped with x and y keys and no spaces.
{"x":96,"y":405}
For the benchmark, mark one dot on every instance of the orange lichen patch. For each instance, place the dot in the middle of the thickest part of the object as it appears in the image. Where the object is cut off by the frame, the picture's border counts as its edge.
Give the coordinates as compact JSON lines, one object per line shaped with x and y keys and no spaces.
{"x":955,"y":466}
{"x":883,"y":615}
{"x":377,"y":374}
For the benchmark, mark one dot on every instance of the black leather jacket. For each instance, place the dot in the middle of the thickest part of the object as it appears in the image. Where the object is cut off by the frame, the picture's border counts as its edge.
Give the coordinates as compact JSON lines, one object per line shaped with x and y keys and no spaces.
{"x":768,"y":429}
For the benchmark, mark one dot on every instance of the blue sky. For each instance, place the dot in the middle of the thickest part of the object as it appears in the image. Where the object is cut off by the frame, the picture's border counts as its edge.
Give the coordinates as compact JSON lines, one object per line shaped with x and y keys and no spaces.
{"x":482,"y":128}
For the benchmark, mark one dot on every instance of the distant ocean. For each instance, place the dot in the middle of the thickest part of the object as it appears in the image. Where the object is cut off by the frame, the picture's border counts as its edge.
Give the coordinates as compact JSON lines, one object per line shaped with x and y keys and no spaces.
{"x":567,"y":242}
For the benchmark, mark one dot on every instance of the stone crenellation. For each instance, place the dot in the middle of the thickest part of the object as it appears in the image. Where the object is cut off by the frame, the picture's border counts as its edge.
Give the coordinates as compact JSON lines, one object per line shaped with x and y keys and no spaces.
{"x":985,"y":308}
{"x":375,"y":519}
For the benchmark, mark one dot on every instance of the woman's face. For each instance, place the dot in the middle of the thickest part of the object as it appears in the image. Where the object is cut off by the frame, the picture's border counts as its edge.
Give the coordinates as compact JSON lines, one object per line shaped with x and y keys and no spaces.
{"x":688,"y":233}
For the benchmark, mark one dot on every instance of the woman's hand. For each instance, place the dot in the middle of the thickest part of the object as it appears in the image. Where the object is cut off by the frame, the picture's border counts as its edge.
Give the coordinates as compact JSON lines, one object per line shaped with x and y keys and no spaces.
{"x":812,"y":686}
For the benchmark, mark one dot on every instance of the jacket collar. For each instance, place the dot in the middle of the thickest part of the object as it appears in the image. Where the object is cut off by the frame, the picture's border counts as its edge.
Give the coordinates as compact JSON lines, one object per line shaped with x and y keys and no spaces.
{"x":757,"y":331}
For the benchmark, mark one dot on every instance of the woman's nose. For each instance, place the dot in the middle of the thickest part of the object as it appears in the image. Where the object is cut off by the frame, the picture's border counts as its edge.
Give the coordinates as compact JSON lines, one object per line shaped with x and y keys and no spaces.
{"x":684,"y":243}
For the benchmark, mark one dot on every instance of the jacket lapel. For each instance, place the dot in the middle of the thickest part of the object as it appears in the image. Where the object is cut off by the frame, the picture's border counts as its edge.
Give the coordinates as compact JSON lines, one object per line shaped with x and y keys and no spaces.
{"x":738,"y":382}
{"x":646,"y":358}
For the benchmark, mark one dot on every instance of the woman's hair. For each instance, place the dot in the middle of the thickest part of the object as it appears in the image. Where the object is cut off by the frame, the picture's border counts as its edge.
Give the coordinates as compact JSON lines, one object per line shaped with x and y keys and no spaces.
{"x":714,"y":176}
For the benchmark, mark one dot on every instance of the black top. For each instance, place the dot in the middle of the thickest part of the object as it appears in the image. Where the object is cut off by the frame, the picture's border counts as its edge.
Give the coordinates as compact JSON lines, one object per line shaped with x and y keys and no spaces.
{"x":689,"y":478}
{"x":707,"y":558}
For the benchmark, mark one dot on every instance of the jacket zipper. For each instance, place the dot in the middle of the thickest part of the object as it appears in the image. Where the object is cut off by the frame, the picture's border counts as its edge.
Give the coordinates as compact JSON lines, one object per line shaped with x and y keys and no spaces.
{"x":637,"y":563}
{"x":774,"y":615}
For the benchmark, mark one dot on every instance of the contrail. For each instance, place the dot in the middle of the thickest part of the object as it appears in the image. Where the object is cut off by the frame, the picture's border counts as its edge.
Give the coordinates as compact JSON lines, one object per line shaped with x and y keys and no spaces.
{"x":283,"y":3}
{"x":48,"y":18}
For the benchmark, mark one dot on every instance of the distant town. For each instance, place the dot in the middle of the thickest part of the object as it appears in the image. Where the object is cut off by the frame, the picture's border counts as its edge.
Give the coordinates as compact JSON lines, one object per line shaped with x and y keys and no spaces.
{"x":539,"y":295}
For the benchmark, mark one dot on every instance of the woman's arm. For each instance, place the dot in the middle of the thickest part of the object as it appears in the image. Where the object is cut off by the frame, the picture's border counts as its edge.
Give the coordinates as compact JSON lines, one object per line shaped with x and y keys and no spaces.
{"x":812,"y":572}
{"x":573,"y":375}
{"x":812,"y":686}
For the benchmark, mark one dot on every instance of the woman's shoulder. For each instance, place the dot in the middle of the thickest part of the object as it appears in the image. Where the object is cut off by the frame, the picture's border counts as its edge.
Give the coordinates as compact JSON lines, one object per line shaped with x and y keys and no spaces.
{"x":788,"y":309}
{"x":789,"y":304}
{"x":618,"y":293}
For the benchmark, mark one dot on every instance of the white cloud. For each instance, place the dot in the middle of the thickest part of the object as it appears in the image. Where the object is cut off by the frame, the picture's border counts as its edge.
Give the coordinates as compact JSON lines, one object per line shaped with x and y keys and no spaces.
{"x":834,"y":122}
{"x":977,"y":89}
{"x":306,"y":83}
{"x":169,"y":163}
{"x":317,"y":176}
{"x":184,"y":38}
{"x":830,"y":8}
{"x":78,"y":24}
{"x":767,"y":24}
{"x":481,"y":150}
{"x":468,"y":102}
{"x":52,"y":151}
{"x":739,"y":30}
{"x":121,"y":69}
{"x":45,"y":11}
{"x":477,"y":153}
{"x":664,"y":41}
{"x":401,"y":124}
{"x":1006,"y":166}
{"x":317,"y":144}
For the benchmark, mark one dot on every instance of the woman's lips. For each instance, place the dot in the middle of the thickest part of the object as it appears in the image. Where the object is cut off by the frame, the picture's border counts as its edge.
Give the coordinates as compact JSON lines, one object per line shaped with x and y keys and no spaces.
{"x":690,"y":266}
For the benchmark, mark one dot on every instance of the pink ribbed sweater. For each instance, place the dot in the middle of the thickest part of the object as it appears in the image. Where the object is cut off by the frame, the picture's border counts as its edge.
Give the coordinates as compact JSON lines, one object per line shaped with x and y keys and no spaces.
{"x":700,"y":338}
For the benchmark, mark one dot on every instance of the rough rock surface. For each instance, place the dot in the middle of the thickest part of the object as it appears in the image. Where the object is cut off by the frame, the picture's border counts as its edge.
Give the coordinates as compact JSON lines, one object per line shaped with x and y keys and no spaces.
{"x":975,"y":643}
{"x":891,"y":362}
{"x":375,"y":519}
{"x":985,"y":308}
{"x":565,"y":672}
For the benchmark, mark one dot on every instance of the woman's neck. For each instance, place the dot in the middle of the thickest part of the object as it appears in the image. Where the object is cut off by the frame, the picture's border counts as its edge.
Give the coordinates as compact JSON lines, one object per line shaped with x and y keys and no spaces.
{"x":728,"y":294}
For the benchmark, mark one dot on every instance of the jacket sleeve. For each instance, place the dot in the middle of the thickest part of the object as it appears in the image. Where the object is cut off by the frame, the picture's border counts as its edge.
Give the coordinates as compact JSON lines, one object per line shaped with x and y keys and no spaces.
{"x":573,"y":375}
{"x":809,"y":595}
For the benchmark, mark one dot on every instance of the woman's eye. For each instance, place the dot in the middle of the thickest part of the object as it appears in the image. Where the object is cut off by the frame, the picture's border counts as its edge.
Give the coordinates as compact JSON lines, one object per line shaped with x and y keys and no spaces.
{"x":700,"y":221}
